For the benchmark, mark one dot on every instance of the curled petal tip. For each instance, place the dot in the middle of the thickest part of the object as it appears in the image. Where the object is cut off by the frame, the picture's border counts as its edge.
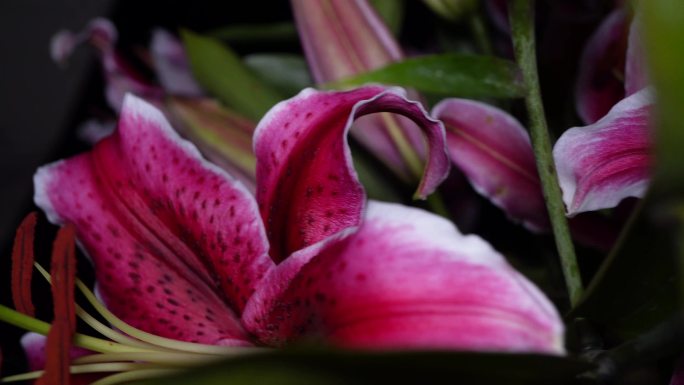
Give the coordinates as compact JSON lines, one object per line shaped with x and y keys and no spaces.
{"x":601,"y":164}
{"x":303,"y":158}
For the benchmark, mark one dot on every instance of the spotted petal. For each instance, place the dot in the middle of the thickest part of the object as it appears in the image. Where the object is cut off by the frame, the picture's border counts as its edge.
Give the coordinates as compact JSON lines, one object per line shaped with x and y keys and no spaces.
{"x":177,"y":244}
{"x":601,"y":72}
{"x":406,"y":279}
{"x":600,"y":164}
{"x":307,"y":186}
{"x":493,"y":150}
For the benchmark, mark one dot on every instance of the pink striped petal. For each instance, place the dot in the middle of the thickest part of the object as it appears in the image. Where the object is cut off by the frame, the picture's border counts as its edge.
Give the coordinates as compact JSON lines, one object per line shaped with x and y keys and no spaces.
{"x":343,"y":38}
{"x":603,"y":163}
{"x":177,"y":244}
{"x":601,"y":71}
{"x":172,"y":65}
{"x":406,"y":279}
{"x":307,"y":186}
{"x":493,"y":150}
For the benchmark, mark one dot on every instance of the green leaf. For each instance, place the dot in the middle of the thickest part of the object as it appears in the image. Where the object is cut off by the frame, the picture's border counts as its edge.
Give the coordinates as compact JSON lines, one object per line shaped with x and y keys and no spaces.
{"x":287,"y":73}
{"x":449,"y":75}
{"x":283,"y":32}
{"x":392,"y":12}
{"x":363,"y":367}
{"x":221,"y":72}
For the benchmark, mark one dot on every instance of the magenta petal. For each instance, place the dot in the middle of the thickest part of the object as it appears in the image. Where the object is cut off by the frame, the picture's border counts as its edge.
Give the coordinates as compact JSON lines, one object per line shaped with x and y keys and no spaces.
{"x":307,"y":186}
{"x":178,"y":245}
{"x":343,"y":38}
{"x":172,"y":65}
{"x":493,"y":150}
{"x":636,"y":74}
{"x":600,"y":164}
{"x":601,"y":71}
{"x":120,"y":77}
{"x":406,"y":279}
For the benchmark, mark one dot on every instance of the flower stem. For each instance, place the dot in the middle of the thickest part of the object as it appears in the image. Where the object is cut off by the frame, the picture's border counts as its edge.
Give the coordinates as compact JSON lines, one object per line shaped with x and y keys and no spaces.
{"x":521,"y":14}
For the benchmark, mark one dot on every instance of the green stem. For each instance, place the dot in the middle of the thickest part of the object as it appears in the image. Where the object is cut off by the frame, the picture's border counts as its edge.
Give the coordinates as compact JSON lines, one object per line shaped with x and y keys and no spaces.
{"x":135,"y":375}
{"x":522,"y":28}
{"x":25,"y":322}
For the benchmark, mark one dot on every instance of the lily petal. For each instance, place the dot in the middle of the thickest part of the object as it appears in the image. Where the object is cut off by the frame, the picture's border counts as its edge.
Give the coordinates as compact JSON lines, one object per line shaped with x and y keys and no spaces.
{"x":120,"y":77}
{"x":172,"y":65}
{"x":176,"y":242}
{"x":493,"y":150}
{"x":636,"y":74}
{"x":600,"y":82}
{"x":100,"y":32}
{"x":406,"y":279}
{"x":343,"y":38}
{"x":600,"y":164}
{"x":308,"y":188}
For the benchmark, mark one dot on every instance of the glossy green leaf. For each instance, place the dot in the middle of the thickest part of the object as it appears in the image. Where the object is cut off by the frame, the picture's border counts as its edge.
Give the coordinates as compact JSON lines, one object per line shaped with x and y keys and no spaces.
{"x":287,"y":73}
{"x":221,"y":72}
{"x":392,"y":12}
{"x":448,"y":75}
{"x":256,"y":33}
{"x":351,"y":367}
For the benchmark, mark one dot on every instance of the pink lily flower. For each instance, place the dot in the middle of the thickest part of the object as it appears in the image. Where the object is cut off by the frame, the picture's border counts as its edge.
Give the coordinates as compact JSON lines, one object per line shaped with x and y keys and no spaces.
{"x":608,"y":160}
{"x":183,"y":251}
